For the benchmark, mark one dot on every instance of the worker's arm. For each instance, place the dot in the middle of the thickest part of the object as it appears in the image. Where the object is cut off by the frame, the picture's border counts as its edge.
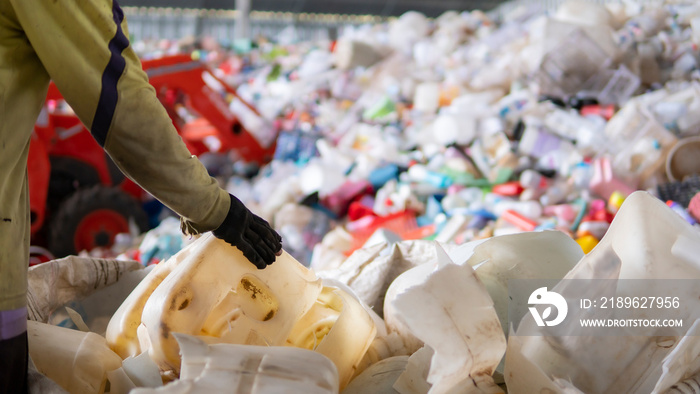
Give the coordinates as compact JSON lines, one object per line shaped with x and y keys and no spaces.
{"x":84,"y":47}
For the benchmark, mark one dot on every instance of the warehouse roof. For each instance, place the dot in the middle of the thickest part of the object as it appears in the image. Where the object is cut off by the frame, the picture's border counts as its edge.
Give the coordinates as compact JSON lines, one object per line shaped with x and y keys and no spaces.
{"x":430,"y":8}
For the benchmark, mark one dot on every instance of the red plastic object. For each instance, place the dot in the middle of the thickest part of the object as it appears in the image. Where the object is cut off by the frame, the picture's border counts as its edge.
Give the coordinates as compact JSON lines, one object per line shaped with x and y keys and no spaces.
{"x":602,"y":216}
{"x":596,"y":205}
{"x":358,"y":210}
{"x":606,"y":111}
{"x":597,"y":211}
{"x":519,"y":220}
{"x":420,"y":232}
{"x":339,"y":201}
{"x":401,"y":223}
{"x":510,"y":189}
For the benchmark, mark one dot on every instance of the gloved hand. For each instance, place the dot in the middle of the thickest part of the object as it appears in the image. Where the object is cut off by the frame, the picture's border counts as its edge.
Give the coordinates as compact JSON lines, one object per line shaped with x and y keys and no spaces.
{"x":251,"y":234}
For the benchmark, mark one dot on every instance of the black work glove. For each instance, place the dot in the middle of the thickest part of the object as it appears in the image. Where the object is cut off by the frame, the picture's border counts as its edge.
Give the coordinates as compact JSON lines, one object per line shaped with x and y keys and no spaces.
{"x":251,"y":234}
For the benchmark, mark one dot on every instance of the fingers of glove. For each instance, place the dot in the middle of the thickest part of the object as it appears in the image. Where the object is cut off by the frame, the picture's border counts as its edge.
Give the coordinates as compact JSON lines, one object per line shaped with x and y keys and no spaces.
{"x":267,"y":254}
{"x":271,"y":239}
{"x":267,"y":234}
{"x":261,"y":227}
{"x":265,"y":251}
{"x":250,"y":253}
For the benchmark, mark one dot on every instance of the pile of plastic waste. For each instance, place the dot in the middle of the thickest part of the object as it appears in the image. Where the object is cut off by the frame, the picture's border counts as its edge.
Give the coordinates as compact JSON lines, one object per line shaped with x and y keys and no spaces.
{"x":422,"y":168}
{"x":462,"y":128}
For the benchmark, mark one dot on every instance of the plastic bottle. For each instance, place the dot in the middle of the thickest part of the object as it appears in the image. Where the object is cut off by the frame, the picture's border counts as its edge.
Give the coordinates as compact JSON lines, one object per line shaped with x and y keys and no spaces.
{"x":519,"y":220}
{"x":510,"y":189}
{"x":531,"y":194}
{"x":419,"y":173}
{"x":581,"y":175}
{"x":537,"y":142}
{"x":530,"y":209}
{"x":531,"y":179}
{"x":606,"y":111}
{"x":201,"y":277}
{"x":595,"y":228}
{"x":555,"y":194}
{"x":380,"y":176}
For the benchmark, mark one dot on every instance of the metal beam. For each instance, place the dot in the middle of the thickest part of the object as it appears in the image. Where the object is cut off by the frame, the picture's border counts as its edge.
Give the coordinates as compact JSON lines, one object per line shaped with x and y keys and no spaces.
{"x":431,"y":8}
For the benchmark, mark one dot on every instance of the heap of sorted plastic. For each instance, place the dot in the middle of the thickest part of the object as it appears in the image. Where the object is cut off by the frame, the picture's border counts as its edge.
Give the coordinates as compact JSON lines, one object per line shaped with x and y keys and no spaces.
{"x":461,"y":128}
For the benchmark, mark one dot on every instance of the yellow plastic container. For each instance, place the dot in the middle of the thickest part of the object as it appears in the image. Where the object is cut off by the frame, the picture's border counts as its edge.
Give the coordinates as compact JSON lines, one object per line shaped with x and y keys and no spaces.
{"x":587,"y":243}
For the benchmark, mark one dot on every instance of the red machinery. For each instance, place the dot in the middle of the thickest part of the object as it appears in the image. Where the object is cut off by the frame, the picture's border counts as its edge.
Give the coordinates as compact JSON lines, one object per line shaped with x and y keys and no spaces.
{"x":80,"y":200}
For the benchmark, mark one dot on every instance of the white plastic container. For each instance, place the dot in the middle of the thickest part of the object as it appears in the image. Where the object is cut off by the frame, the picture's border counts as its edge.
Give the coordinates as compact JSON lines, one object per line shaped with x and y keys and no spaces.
{"x":427,"y":97}
{"x":646,"y":241}
{"x":683,"y":159}
{"x":78,"y":361}
{"x":228,"y":368}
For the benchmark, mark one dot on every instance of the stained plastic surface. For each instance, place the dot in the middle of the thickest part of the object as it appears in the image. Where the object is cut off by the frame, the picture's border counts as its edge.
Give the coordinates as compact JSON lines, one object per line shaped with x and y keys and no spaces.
{"x":209,"y":288}
{"x":338,"y":327}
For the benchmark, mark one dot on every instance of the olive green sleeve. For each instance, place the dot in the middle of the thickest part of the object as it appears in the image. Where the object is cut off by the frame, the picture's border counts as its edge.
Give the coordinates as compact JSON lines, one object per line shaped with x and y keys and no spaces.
{"x":84,"y":47}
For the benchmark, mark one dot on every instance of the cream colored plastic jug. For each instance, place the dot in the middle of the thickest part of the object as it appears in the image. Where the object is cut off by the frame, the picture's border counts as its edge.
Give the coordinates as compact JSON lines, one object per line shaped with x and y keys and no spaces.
{"x":78,"y":361}
{"x":211,"y":289}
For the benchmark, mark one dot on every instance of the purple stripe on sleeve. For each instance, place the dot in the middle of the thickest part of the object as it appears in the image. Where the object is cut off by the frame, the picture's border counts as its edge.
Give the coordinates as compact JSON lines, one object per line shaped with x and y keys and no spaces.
{"x":13,"y":323}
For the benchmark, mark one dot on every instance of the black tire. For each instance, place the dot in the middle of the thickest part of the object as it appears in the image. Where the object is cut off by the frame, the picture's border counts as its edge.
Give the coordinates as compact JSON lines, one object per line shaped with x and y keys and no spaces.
{"x":90,"y":205}
{"x":68,"y":176}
